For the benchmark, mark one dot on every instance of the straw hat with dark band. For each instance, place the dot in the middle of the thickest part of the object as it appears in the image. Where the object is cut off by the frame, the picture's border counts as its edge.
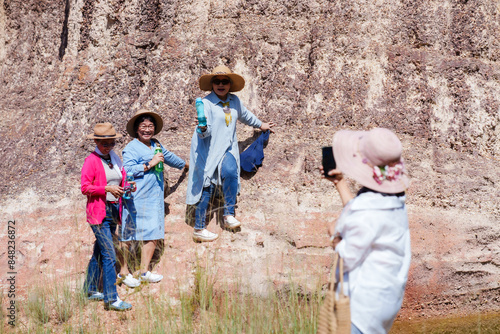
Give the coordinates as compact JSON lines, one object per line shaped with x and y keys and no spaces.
{"x":104,"y":131}
{"x":237,"y":81}
{"x":139,"y":113}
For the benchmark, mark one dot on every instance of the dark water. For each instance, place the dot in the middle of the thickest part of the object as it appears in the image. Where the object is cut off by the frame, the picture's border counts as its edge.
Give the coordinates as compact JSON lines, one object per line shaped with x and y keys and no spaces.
{"x":478,"y":323}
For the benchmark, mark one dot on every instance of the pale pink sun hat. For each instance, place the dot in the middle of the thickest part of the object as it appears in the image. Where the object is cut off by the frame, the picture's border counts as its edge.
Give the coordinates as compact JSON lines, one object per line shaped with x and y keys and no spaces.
{"x":372,"y":158}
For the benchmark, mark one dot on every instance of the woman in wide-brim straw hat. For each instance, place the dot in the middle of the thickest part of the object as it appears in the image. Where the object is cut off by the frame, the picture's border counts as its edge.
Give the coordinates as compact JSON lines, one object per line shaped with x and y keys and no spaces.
{"x":372,"y":234}
{"x":144,"y":214}
{"x":214,"y":148}
{"x":102,"y":180}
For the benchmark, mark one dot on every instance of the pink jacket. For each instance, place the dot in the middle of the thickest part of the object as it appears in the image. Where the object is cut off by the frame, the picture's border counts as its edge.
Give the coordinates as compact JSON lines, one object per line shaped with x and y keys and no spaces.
{"x":93,"y":184}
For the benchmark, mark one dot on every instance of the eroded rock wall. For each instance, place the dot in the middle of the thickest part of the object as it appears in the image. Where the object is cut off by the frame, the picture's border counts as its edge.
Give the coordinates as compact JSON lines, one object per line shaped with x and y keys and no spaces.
{"x":429,"y":70}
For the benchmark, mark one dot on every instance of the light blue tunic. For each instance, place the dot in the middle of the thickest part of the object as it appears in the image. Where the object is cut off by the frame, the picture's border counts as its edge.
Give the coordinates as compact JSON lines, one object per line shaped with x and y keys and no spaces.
{"x":208,"y":148}
{"x":143,"y":216}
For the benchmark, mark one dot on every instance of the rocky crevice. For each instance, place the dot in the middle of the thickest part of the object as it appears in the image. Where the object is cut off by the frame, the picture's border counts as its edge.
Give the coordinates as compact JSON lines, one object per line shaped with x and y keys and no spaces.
{"x":64,"y":32}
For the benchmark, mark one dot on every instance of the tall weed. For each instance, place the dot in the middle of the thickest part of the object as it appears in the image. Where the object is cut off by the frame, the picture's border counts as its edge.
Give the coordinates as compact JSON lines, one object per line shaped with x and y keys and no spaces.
{"x":63,"y":302}
{"x":37,"y":305}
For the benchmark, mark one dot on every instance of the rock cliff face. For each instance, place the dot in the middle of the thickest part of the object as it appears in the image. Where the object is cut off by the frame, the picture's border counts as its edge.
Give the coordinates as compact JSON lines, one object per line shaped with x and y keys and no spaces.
{"x":429,"y":70}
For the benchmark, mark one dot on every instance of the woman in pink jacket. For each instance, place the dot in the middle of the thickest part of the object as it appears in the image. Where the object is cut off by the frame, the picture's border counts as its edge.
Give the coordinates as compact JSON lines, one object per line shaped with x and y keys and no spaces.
{"x":103,"y":178}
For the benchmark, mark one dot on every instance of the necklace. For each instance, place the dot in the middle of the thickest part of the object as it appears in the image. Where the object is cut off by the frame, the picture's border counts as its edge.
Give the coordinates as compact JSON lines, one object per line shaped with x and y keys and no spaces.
{"x":227,"y":112}
{"x":108,"y":161}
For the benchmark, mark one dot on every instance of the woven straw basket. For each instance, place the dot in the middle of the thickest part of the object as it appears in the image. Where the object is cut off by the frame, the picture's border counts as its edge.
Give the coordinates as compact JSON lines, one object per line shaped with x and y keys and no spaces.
{"x":335,"y":314}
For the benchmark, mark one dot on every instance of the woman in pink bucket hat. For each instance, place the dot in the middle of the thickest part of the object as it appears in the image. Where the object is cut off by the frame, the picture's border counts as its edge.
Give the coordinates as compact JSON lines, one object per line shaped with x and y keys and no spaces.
{"x":372,"y":234}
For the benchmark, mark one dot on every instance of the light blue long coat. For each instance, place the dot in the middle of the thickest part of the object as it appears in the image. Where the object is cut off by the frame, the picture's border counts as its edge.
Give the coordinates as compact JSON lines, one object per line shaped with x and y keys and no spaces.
{"x":143,"y":216}
{"x":208,"y":148}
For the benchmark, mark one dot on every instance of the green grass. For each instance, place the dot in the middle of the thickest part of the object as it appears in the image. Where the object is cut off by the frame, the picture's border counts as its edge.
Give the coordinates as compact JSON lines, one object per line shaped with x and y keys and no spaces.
{"x":63,"y":303}
{"x":37,"y":305}
{"x":208,"y":306}
{"x":207,"y":309}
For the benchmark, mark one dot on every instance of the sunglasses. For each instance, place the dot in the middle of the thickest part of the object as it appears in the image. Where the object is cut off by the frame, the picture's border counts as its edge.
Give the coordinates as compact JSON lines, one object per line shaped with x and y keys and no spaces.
{"x":223,"y":81}
{"x":108,"y":145}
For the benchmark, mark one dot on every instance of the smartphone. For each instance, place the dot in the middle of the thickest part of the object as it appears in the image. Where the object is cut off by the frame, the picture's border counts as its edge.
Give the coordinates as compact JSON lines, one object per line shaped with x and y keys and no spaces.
{"x":328,"y":160}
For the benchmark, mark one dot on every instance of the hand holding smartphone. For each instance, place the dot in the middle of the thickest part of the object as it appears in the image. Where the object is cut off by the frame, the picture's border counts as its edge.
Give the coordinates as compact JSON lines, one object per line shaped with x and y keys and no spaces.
{"x":328,"y":161}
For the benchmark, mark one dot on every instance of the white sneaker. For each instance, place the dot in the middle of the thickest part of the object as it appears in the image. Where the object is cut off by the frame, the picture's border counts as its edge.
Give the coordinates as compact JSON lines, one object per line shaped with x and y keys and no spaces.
{"x":204,"y":235}
{"x":231,"y":223}
{"x":95,"y":296}
{"x":150,"y":277}
{"x":129,"y":281}
{"x":118,"y":305}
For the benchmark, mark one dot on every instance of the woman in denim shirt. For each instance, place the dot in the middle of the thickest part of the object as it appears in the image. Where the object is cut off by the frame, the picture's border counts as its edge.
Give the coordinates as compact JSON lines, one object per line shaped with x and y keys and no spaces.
{"x":144,"y":214}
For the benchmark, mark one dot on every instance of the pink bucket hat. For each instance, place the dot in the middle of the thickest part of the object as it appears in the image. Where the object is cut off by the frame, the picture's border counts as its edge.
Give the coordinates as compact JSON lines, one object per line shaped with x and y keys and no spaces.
{"x":373,"y":158}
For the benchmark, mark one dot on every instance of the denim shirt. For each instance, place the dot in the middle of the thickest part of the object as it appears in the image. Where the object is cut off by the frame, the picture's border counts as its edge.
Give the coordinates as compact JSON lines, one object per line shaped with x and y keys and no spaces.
{"x":144,"y":213}
{"x":209,"y":147}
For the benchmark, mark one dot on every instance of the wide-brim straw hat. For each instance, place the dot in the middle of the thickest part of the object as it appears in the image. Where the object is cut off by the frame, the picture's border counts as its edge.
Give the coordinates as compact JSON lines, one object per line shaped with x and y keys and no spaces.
{"x":139,"y":113}
{"x":237,"y":81}
{"x":358,"y":152}
{"x":104,"y":131}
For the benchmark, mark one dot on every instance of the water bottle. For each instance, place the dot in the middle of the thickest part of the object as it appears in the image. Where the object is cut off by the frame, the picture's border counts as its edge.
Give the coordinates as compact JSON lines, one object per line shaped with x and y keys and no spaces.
{"x":127,"y":190}
{"x":200,"y":110}
{"x":159,"y":166}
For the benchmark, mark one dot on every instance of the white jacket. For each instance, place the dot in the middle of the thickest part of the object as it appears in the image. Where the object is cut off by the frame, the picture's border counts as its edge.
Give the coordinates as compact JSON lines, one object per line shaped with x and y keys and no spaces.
{"x":375,"y":247}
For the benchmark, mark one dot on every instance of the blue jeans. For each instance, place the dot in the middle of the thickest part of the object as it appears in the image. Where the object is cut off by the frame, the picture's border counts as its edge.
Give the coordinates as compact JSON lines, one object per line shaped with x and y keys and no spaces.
{"x":229,"y":177}
{"x":103,"y":259}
